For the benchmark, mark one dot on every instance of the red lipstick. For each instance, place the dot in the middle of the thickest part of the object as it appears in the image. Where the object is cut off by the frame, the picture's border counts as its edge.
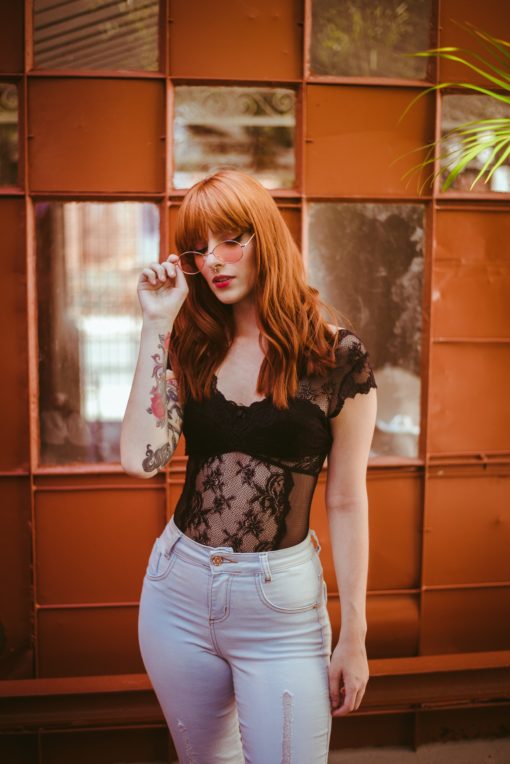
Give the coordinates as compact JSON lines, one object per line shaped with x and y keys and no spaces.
{"x":224,"y":282}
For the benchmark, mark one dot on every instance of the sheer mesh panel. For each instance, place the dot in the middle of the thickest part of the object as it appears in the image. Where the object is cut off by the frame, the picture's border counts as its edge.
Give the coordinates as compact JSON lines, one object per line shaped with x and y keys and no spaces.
{"x":242,"y":501}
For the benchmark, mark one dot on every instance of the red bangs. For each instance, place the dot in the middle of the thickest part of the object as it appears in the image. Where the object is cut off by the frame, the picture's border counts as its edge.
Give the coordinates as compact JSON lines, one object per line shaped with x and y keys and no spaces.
{"x":211,"y":206}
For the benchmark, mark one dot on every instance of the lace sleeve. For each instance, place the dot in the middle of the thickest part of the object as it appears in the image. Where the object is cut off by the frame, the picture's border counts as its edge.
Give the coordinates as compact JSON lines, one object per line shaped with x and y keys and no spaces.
{"x":353,"y":373}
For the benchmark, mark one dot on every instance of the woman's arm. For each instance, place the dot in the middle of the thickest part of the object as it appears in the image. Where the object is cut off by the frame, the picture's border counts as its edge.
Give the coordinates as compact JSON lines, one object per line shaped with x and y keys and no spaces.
{"x":153,"y":418}
{"x":152,"y":422}
{"x":347,"y":509}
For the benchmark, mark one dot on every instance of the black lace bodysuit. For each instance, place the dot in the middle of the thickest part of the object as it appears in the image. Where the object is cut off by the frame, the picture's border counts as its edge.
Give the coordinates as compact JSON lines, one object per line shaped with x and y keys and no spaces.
{"x":252,"y":470}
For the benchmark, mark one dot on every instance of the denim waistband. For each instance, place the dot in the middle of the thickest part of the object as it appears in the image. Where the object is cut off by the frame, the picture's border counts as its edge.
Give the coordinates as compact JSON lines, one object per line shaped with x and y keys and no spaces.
{"x":224,"y":558}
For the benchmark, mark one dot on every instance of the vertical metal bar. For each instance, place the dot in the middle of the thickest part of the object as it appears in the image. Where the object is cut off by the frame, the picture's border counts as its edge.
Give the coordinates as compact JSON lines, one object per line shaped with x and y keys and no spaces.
{"x":299,"y":141}
{"x":163,"y":36}
{"x":433,"y":68}
{"x":32,"y":341}
{"x":426,"y":331}
{"x":430,"y":229}
{"x":165,"y":205}
{"x":304,"y":233}
{"x":303,"y":114}
{"x":28,"y":36}
{"x":169,"y":106}
{"x":436,"y":190}
{"x":307,"y":35}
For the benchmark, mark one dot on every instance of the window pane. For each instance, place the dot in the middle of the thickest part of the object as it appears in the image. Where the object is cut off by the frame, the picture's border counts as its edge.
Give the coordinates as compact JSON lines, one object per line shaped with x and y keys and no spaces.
{"x":8,"y":134}
{"x":367,"y":261}
{"x":86,"y":34}
{"x":89,"y":256}
{"x":458,"y":109}
{"x":363,"y":38}
{"x":250,"y":129}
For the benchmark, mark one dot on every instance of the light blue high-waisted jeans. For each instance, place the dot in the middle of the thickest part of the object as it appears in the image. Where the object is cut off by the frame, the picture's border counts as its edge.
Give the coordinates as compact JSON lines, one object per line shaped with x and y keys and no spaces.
{"x":237,"y":646}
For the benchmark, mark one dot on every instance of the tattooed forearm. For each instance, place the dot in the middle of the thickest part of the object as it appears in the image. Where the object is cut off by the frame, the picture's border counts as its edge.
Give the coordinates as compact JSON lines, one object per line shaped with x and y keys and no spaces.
{"x":158,"y":392}
{"x":165,"y":407}
{"x":157,"y":459}
{"x":174,"y":413}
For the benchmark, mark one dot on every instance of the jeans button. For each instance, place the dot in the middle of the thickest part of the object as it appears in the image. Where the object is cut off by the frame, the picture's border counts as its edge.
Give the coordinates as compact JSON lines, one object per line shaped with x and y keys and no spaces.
{"x":217,"y":559}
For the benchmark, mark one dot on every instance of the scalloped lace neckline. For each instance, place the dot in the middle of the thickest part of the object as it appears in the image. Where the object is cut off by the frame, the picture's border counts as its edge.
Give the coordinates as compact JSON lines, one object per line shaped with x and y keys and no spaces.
{"x":233,"y":403}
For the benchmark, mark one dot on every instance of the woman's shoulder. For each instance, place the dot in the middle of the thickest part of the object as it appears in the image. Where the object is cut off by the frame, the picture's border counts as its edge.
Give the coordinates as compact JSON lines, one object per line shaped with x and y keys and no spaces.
{"x":349,"y":353}
{"x":349,"y":346}
{"x":351,"y":373}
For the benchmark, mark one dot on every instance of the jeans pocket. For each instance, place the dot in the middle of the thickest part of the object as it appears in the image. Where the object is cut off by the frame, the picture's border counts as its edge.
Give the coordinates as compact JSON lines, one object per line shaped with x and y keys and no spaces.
{"x":293,"y":590}
{"x":160,"y":562}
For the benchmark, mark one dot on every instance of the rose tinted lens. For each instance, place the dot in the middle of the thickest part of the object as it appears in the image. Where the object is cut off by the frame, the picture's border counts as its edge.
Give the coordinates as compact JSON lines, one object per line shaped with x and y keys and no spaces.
{"x":229,"y":251}
{"x":190,"y":262}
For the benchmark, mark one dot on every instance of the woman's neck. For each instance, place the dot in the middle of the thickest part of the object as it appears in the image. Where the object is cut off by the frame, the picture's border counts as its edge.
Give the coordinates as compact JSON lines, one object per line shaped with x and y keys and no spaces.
{"x":245,"y":321}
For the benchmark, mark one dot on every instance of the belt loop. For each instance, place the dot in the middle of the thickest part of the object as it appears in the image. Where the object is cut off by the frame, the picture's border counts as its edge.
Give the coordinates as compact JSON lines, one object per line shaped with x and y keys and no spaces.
{"x":170,"y":545}
{"x":314,"y":536}
{"x":169,"y":539}
{"x":265,"y":566}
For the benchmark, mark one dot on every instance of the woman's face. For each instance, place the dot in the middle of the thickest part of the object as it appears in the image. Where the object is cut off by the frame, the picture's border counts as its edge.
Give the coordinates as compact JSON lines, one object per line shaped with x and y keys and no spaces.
{"x":243,"y":271}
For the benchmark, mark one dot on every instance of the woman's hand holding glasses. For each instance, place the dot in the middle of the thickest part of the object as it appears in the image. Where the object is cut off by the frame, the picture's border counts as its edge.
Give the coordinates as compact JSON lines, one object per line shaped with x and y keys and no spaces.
{"x":162,"y":289}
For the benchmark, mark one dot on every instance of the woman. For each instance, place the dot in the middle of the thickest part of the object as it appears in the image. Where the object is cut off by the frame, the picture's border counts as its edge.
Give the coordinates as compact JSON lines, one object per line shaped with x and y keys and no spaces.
{"x":233,"y":625}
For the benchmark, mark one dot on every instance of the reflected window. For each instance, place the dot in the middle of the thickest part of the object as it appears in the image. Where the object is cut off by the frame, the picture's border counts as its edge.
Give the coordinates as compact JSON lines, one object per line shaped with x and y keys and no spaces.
{"x":8,"y":134}
{"x":89,"y":257}
{"x":457,"y":110}
{"x":367,"y":38}
{"x":87,"y":34}
{"x":367,"y":261}
{"x":250,"y":129}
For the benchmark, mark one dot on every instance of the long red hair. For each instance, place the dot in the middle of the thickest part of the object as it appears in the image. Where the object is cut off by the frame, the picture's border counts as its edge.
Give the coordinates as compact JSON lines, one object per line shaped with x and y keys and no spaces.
{"x":298,"y":339}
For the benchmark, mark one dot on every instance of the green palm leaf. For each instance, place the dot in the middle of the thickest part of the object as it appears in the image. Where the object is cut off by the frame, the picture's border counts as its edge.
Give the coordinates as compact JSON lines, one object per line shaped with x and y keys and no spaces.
{"x":476,"y":135}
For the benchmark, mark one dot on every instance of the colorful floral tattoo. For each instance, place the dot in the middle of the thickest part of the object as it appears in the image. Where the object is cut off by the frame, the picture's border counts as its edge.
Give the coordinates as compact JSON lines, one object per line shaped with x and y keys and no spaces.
{"x":165,"y":407}
{"x":158,"y":392}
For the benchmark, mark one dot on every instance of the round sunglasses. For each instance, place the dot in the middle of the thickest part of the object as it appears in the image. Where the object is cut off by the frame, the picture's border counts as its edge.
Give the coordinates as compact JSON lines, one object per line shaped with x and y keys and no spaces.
{"x":228,"y":251}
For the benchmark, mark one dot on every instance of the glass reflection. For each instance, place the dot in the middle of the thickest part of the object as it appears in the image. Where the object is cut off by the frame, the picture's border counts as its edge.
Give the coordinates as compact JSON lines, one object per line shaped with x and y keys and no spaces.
{"x":455,"y":111}
{"x":87,"y":34}
{"x":363,"y":38}
{"x":89,"y":256}
{"x":8,"y":134}
{"x":367,"y":261}
{"x":249,"y":129}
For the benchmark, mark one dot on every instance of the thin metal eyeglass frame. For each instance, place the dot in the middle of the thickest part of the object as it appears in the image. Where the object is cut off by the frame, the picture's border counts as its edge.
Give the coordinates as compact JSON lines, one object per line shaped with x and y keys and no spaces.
{"x":205,"y":254}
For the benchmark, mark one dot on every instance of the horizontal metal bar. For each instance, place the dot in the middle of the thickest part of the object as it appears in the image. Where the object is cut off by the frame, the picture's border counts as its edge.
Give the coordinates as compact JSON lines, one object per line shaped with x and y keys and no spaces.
{"x":470,"y":340}
{"x":145,"y":485}
{"x":470,"y":196}
{"x":387,"y":82}
{"x":85,"y":605}
{"x":495,"y":205}
{"x":91,"y":74}
{"x":399,"y":464}
{"x":396,"y":685}
{"x":405,"y":591}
